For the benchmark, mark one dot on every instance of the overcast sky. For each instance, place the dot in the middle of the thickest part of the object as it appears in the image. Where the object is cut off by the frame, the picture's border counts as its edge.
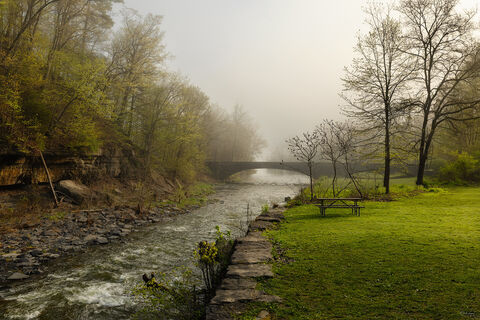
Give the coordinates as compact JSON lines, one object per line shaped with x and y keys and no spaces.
{"x":282,"y":60}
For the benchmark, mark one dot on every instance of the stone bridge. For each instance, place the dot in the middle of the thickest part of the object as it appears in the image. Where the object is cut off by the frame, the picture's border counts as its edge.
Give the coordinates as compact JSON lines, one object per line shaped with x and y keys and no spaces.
{"x":223,"y":170}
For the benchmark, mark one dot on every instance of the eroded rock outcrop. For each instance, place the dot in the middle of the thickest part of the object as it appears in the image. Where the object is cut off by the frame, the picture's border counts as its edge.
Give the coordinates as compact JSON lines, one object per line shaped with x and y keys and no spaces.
{"x":112,"y":161}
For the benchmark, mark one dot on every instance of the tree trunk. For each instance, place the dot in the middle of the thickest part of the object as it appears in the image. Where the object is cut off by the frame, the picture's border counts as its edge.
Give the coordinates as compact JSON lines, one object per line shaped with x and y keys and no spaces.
{"x":334,"y":179}
{"x":386,"y":174}
{"x":423,"y":157}
{"x":311,"y":180}
{"x":421,"y":168}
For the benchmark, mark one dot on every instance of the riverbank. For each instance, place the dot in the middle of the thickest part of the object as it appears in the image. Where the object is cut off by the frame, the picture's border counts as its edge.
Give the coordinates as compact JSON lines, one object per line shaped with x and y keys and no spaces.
{"x":29,"y":240}
{"x":25,"y":251}
{"x":97,"y":283}
{"x":412,"y":258}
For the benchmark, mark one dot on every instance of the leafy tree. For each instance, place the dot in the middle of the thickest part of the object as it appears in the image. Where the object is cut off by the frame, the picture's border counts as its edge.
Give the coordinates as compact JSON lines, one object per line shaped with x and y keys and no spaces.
{"x":135,"y":54}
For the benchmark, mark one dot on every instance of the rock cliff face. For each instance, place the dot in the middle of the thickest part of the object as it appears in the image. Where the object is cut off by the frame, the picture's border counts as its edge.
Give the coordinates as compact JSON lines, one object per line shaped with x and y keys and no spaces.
{"x":111,"y":161}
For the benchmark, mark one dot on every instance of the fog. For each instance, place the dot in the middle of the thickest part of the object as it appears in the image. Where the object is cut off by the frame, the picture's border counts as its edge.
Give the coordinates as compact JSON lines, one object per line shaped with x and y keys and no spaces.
{"x":282,"y":60}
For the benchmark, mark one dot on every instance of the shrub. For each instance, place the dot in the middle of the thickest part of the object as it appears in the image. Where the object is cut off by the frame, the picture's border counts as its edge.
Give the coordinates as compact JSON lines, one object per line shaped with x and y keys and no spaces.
{"x":174,"y":295}
{"x":463,"y":170}
{"x":212,"y":258}
{"x":265,"y":208}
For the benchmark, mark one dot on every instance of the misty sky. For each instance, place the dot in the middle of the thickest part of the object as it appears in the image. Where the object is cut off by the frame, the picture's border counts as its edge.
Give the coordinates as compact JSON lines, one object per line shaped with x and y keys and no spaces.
{"x":282,"y":60}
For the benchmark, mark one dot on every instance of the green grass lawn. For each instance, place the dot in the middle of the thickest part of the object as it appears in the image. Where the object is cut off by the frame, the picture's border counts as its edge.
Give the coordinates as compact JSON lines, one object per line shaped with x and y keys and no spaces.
{"x":416,"y":258}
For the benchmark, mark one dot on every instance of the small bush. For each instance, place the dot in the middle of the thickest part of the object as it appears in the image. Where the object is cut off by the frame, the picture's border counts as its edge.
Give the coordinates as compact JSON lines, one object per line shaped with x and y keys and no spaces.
{"x":212,"y":258}
{"x":265,"y":208}
{"x":194,"y":195}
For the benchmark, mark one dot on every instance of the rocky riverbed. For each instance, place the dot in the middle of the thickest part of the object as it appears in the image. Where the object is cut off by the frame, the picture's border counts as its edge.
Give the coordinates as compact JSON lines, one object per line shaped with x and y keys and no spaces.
{"x":27,"y":251}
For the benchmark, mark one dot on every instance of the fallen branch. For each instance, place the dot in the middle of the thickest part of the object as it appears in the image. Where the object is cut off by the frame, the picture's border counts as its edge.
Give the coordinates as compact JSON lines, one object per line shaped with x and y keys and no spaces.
{"x":49,"y":178}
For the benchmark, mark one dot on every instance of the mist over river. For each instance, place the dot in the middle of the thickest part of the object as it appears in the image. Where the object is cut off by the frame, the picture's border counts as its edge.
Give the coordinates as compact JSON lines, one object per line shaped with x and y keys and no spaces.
{"x":97,"y":283}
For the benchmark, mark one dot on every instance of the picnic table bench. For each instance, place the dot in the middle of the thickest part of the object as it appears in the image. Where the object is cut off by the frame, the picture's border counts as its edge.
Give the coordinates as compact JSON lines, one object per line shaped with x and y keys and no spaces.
{"x":324,"y":203}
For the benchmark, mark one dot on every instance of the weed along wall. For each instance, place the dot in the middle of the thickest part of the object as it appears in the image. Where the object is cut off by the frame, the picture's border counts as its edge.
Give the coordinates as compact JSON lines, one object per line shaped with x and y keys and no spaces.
{"x":251,"y":259}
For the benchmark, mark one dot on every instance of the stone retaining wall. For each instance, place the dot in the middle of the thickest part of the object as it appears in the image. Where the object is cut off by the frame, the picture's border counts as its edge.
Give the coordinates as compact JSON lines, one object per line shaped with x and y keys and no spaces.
{"x":251,"y":260}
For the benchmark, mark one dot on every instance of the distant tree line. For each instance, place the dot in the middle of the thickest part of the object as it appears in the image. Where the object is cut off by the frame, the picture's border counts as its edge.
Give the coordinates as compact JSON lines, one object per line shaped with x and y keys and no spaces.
{"x":414,"y":84}
{"x":69,"y":83}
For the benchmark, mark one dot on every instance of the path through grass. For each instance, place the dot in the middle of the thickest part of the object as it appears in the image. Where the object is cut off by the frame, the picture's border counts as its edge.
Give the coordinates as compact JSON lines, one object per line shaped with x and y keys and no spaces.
{"x":416,"y":258}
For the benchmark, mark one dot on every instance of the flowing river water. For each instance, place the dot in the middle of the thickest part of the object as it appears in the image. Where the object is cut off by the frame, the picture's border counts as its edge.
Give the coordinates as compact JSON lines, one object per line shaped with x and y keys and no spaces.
{"x":97,"y":283}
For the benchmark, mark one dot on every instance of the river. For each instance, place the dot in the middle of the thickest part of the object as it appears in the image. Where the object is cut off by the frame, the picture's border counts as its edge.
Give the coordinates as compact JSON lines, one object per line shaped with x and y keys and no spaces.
{"x":97,"y":283}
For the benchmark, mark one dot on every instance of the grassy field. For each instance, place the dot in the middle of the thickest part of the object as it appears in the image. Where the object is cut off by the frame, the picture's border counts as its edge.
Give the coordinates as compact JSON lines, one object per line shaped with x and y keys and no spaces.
{"x":415,"y":258}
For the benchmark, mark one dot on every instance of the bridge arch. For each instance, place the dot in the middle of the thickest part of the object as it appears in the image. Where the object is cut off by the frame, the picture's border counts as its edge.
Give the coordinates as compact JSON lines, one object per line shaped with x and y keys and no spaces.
{"x":223,"y":170}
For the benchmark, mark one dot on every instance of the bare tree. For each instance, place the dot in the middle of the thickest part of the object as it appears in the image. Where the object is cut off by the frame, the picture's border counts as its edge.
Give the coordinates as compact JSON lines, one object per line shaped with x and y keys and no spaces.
{"x":338,"y":145}
{"x":329,"y":148}
{"x":442,"y":41}
{"x":305,"y":148}
{"x":377,"y":79}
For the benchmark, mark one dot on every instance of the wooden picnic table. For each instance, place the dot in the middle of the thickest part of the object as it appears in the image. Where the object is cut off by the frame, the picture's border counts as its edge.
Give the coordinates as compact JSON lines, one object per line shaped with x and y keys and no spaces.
{"x":352,"y":203}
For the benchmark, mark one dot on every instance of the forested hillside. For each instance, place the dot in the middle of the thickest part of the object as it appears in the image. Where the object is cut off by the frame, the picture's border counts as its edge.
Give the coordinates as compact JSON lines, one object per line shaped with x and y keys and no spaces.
{"x":72,"y":83}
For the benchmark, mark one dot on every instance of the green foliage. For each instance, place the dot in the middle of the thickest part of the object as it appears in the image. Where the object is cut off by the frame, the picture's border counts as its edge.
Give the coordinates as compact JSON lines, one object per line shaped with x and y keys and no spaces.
{"x":193,"y":195}
{"x":57,"y":215}
{"x":170,"y":296}
{"x":464,"y":169}
{"x":416,"y":258}
{"x":66,"y":87}
{"x":212,"y":258}
{"x":265,"y":208}
{"x":174,"y":295}
{"x":224,"y":244}
{"x":369,"y":186}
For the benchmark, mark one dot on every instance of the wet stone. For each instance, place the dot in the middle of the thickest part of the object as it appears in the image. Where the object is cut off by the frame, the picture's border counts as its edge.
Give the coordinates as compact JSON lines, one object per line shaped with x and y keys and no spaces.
{"x":255,"y":236}
{"x":18,"y":276}
{"x":259,"y":225}
{"x":249,"y":271}
{"x":36,"y":252}
{"x":263,"y":315}
{"x":50,"y":233}
{"x":269,"y":219}
{"x":94,"y":239}
{"x":232,"y":296}
{"x":238,"y":284}
{"x":251,"y":256}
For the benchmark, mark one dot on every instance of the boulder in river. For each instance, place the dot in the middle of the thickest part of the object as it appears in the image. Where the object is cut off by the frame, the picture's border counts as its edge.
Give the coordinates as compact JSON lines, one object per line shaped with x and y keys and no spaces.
{"x":18,"y":276}
{"x":94,"y":239}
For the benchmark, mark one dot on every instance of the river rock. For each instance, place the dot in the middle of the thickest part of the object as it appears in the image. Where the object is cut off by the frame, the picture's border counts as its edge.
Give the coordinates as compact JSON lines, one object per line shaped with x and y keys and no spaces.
{"x":10,"y":256}
{"x":75,"y":190}
{"x":94,"y":239}
{"x":36,"y":252}
{"x":18,"y":276}
{"x":263,"y":315}
{"x":50,"y":233}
